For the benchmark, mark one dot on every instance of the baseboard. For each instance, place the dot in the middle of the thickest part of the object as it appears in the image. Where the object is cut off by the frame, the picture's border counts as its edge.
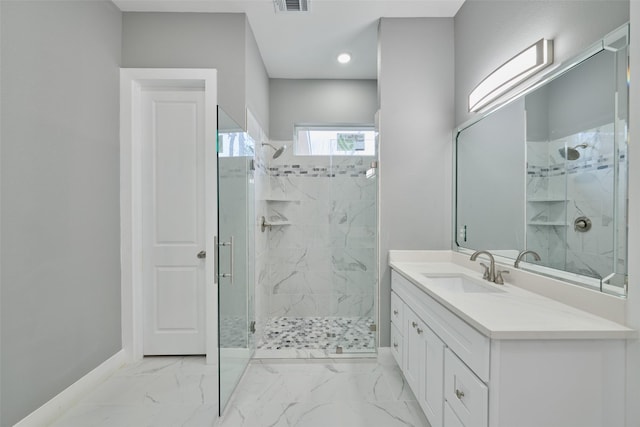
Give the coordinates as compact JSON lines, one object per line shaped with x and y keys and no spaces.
{"x":51,"y":410}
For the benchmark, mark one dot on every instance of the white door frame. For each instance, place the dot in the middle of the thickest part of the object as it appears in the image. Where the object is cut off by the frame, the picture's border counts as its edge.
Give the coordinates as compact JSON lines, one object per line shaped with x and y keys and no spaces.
{"x":132,"y":82}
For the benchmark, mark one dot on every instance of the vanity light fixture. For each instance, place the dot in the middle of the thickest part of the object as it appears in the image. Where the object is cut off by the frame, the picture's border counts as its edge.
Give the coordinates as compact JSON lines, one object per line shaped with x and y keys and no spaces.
{"x":344,"y":58}
{"x":511,"y":73}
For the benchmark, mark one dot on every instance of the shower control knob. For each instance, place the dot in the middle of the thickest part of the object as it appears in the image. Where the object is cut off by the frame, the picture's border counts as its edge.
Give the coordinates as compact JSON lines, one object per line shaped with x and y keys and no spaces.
{"x":582,"y":224}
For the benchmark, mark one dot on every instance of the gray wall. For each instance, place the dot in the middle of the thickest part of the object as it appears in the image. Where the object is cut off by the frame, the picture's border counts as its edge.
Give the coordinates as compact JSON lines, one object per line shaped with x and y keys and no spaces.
{"x":60,"y":279}
{"x":318,"y":102}
{"x":488,"y":33}
{"x":416,"y":119}
{"x":257,"y":81}
{"x":191,"y":40}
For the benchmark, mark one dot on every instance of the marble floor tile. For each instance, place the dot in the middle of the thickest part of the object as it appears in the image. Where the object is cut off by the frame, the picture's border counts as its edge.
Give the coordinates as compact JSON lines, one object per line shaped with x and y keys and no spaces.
{"x":182,"y":391}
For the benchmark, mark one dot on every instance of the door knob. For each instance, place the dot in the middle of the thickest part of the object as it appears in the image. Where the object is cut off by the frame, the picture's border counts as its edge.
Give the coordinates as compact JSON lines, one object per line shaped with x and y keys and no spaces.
{"x":202,"y":254}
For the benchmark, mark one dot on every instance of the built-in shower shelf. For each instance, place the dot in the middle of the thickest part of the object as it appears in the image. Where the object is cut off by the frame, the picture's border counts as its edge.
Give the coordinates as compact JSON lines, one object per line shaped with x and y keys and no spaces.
{"x":280,"y":199}
{"x":545,"y":223}
{"x":264,"y":224}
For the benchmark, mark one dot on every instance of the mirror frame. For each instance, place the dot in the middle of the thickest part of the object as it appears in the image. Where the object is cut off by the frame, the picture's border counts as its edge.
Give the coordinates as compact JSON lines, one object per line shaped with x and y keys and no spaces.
{"x":521,"y":91}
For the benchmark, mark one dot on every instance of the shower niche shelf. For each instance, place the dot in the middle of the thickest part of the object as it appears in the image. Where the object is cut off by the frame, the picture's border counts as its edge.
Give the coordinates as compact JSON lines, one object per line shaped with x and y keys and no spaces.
{"x":280,"y":199}
{"x":549,"y":200}
{"x":264,"y":224}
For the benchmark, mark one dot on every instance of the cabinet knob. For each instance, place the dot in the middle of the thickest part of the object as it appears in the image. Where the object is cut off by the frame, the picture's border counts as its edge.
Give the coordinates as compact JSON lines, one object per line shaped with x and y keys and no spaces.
{"x":419,"y":330}
{"x":459,"y":394}
{"x":395,"y":312}
{"x":414,"y":324}
{"x":395,"y":345}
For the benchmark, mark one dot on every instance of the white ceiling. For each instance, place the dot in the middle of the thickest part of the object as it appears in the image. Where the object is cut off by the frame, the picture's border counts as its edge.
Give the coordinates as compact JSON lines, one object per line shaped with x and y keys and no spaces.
{"x":304,"y":45}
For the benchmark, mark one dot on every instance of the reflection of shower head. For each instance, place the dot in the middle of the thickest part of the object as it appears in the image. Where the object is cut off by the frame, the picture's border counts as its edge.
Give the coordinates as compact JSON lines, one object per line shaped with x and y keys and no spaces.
{"x":278,"y":152}
{"x":571,"y":153}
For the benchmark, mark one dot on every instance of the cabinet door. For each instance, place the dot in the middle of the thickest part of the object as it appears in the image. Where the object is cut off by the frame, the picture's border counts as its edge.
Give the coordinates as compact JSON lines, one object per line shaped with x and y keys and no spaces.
{"x":431,"y":396}
{"x":424,"y":366}
{"x":396,"y":345}
{"x":412,"y":352}
{"x":397,"y":310}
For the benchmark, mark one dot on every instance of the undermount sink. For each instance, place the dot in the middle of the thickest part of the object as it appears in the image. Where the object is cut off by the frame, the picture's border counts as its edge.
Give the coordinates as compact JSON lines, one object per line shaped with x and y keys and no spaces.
{"x":460,"y":283}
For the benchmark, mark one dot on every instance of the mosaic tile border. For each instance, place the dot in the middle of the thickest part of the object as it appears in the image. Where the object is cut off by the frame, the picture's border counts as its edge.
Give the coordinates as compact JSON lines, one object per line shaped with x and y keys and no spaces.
{"x":590,"y":164}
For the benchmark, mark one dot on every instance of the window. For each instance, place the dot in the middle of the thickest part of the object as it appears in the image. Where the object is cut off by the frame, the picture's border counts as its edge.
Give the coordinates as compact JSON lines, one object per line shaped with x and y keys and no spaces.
{"x":235,"y":144}
{"x":335,"y":141}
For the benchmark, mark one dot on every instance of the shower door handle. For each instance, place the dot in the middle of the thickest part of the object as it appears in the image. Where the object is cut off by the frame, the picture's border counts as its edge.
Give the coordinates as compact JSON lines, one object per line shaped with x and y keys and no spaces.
{"x":216,"y":266}
{"x":230,"y":274}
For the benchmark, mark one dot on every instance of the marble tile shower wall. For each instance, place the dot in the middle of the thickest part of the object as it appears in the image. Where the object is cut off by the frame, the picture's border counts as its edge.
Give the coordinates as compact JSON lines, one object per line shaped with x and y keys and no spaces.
{"x":561,"y":190}
{"x":261,"y":178}
{"x":322,"y":260}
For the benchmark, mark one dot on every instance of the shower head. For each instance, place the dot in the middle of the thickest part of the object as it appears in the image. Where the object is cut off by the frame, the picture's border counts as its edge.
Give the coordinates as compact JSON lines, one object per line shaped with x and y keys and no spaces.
{"x":278,"y":151}
{"x":571,"y":153}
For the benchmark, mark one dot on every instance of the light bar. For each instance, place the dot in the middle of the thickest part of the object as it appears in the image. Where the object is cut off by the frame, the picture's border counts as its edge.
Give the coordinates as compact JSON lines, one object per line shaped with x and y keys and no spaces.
{"x":511,"y":73}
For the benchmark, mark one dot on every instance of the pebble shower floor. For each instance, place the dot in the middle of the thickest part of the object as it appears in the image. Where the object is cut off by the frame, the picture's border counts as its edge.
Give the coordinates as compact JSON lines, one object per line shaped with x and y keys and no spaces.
{"x":323,"y":333}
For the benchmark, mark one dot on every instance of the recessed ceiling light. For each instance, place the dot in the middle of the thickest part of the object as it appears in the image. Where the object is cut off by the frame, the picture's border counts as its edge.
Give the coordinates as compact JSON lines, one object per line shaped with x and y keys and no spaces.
{"x":344,"y":58}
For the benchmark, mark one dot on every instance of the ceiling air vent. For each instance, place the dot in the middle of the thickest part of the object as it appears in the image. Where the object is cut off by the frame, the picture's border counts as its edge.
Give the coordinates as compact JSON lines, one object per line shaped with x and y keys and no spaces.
{"x":291,"y":5}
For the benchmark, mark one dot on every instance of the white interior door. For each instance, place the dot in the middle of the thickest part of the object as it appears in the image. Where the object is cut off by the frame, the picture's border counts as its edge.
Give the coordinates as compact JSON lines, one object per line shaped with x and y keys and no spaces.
{"x":173,"y":221}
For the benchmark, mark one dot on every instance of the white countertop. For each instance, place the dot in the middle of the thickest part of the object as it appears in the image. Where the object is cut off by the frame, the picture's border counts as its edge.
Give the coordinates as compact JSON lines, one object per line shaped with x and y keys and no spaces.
{"x":513,"y":314}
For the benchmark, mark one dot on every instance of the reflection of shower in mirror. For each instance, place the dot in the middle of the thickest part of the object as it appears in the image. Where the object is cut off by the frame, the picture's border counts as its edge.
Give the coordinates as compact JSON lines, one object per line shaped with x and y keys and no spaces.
{"x":571,"y":153}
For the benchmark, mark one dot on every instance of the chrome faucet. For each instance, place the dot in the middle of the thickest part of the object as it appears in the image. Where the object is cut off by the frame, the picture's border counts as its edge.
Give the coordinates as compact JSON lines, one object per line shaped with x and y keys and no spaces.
{"x":491,"y":276}
{"x":522,"y":254}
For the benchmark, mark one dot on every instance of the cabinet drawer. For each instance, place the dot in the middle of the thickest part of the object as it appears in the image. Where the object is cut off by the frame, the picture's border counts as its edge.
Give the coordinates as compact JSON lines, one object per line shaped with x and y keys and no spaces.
{"x":467,"y":396}
{"x":397,"y":311}
{"x":450,"y":418}
{"x":396,"y":345}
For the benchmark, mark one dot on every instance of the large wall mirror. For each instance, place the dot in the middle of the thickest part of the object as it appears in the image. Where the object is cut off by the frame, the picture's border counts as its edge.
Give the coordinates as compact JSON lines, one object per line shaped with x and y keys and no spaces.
{"x":547,"y":171}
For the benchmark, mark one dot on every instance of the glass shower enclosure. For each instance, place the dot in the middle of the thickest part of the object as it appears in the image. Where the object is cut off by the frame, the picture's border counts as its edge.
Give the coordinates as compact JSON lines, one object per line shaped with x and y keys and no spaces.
{"x":317,"y":281}
{"x":235,"y":249}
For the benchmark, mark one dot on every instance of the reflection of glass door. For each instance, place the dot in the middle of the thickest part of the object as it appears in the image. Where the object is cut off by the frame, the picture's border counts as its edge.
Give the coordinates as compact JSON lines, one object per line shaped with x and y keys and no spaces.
{"x":235,"y":253}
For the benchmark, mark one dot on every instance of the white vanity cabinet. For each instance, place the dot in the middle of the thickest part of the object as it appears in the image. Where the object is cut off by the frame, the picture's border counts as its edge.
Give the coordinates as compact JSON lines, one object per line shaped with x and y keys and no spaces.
{"x":423,"y":361}
{"x":462,"y":377}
